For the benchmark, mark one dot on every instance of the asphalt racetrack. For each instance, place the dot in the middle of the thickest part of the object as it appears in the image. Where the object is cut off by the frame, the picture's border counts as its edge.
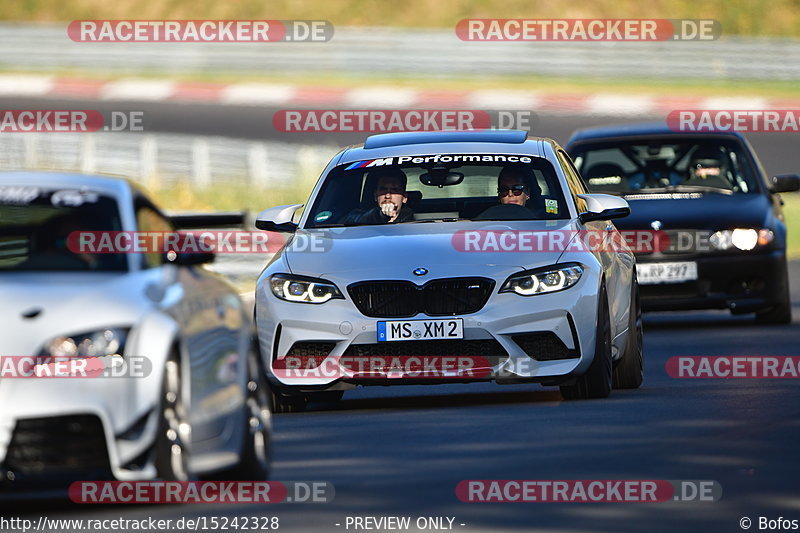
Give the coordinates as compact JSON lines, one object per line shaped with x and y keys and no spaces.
{"x":402,"y":451}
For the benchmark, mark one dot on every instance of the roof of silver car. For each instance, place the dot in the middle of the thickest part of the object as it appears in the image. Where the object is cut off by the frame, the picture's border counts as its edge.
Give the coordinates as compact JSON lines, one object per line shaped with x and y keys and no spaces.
{"x":114,"y":185}
{"x":446,"y":142}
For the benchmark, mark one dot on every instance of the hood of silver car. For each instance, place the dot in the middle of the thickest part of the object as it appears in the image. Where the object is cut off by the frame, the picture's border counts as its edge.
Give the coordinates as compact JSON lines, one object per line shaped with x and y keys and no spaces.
{"x":396,"y":251}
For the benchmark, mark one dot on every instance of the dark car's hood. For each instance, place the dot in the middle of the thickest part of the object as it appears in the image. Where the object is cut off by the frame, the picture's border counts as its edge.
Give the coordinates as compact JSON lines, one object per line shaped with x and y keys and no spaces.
{"x":709,"y":211}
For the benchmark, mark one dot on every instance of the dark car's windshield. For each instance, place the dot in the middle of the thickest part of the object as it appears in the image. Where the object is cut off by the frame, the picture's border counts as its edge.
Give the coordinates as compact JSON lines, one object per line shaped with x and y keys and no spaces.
{"x":628,"y":167}
{"x":35,"y":224}
{"x":439,"y":188}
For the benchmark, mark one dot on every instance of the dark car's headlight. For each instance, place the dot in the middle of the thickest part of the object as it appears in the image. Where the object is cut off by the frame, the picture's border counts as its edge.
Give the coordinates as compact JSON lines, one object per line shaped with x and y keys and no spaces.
{"x":744,"y":239}
{"x":108,"y":341}
{"x":303,"y":289}
{"x":544,"y":280}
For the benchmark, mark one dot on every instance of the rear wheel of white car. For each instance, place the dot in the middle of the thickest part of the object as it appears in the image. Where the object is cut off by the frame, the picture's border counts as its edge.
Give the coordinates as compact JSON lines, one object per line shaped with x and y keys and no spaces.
{"x":256,"y":446}
{"x":629,"y":371}
{"x":174,"y":431}
{"x":596,"y":382}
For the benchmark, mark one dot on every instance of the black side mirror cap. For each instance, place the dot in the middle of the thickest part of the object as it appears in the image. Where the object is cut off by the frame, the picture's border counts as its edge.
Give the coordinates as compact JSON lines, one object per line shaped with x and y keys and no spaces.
{"x":268,"y":225}
{"x":607,"y":214}
{"x":786,"y":183}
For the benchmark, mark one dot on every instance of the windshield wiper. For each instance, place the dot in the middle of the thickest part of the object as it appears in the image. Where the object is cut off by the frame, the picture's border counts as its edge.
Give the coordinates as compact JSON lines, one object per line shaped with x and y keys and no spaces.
{"x":448,"y":219}
{"x":679,"y":188}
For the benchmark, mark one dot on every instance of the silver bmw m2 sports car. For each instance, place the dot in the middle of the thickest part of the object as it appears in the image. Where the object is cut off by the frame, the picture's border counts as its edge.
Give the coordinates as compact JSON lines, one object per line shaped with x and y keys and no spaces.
{"x":447,"y":257}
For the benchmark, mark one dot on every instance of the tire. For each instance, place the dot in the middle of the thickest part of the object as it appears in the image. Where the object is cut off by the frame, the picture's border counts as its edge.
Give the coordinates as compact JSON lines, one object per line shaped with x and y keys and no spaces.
{"x":174,"y":433}
{"x":254,"y":464}
{"x":629,"y":370}
{"x":781,"y":312}
{"x":285,"y":403}
{"x":596,"y":382}
{"x":326,"y":396}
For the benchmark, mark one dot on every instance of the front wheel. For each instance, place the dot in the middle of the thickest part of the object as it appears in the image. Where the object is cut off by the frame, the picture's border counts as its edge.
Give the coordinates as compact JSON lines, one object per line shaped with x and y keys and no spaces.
{"x":780,"y":313}
{"x":629,"y":371}
{"x":596,"y":382}
{"x":174,"y":432}
{"x":254,"y":463}
{"x":285,"y":403}
{"x":326,"y":396}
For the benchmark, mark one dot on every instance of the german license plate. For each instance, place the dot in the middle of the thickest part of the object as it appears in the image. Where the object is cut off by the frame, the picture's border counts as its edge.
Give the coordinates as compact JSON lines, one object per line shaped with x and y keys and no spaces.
{"x":420,"y":330}
{"x":652,"y":273}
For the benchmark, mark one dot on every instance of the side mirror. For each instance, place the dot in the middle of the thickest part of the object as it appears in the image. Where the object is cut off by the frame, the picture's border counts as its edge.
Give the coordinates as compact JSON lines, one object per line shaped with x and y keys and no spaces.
{"x":786,"y":183}
{"x":278,"y":218}
{"x":188,"y":258}
{"x":604,"y":207}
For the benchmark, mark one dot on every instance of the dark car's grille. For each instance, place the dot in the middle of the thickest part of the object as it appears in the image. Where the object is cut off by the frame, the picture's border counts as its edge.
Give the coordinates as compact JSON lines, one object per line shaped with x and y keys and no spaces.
{"x":544,"y":346}
{"x":440,"y":297}
{"x":57,"y":444}
{"x":670,"y":291}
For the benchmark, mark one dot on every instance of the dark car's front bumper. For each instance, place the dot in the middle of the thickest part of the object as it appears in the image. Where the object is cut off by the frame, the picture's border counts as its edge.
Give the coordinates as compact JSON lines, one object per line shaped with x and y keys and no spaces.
{"x":743,"y":282}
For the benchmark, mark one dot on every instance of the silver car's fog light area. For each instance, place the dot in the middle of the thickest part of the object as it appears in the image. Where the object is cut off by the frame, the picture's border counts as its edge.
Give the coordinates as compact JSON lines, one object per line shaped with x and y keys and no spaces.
{"x":109,"y":341}
{"x":544,"y":280}
{"x":303,"y":289}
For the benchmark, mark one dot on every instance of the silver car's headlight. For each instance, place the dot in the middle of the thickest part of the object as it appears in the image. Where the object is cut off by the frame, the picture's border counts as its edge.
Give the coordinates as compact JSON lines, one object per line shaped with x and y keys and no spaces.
{"x":544,"y":280}
{"x":741,"y":238}
{"x":303,"y":289}
{"x":109,"y":341}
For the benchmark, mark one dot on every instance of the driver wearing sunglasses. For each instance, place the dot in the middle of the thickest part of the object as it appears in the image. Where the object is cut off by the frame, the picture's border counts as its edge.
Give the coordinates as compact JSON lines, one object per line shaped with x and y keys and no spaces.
{"x":512,"y":186}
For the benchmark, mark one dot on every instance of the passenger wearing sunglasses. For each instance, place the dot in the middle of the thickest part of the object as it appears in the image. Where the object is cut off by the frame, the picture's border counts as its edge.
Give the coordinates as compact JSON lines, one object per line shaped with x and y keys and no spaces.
{"x":515,"y":186}
{"x":511,"y":188}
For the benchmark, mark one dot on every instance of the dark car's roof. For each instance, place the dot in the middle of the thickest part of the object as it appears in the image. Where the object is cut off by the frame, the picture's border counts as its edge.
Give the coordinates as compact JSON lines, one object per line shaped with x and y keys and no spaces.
{"x":641,"y":129}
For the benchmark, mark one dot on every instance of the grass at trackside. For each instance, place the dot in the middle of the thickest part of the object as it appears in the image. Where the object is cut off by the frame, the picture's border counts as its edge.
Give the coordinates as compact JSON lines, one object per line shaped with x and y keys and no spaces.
{"x":792,"y":211}
{"x":229,"y":197}
{"x":738,"y":17}
{"x":241,"y":197}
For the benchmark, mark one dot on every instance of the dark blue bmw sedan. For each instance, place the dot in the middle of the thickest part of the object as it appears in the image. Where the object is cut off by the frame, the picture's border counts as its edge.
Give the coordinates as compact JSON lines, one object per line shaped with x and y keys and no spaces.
{"x":718,"y":215}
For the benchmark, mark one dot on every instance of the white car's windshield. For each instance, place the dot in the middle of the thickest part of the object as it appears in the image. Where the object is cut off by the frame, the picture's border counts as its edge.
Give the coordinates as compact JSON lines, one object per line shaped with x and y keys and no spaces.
{"x":439,"y":188}
{"x":36,"y":224}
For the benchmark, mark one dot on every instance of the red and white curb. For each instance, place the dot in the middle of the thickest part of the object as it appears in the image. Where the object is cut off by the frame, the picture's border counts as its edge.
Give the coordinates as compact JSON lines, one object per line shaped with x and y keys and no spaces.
{"x":297,"y":96}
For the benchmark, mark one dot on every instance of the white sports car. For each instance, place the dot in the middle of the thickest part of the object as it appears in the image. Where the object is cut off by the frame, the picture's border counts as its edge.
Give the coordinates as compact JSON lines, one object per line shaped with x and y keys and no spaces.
{"x":188,"y":397}
{"x":449,"y":256}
